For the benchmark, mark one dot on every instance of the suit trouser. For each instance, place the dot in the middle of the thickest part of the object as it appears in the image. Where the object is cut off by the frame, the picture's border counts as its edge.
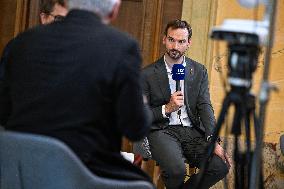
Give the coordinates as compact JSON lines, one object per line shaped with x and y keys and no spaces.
{"x":172,"y":145}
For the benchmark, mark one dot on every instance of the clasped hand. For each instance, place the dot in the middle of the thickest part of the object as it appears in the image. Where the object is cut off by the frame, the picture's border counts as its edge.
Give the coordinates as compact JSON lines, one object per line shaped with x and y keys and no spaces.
{"x":175,"y":102}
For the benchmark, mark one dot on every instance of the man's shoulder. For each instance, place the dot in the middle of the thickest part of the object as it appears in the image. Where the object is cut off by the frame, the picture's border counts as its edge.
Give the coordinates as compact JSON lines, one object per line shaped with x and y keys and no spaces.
{"x":118,"y":37}
{"x":149,"y":69}
{"x":195,"y":64}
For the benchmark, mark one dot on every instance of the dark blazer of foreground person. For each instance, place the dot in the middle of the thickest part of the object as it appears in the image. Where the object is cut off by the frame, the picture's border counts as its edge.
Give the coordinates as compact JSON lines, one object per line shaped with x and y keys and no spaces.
{"x":77,"y":80}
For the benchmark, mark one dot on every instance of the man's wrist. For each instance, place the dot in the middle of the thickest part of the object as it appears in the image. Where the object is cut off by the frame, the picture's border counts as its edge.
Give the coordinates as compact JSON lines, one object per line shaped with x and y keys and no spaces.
{"x":164,"y":112}
{"x":169,"y":108}
{"x":209,"y":139}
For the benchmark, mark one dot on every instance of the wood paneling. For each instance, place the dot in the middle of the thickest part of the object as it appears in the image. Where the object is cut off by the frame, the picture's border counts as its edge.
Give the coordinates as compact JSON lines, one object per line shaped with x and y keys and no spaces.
{"x":145,"y":21}
{"x":138,"y":18}
{"x":134,"y":13}
{"x":7,"y":21}
{"x":33,"y":13}
{"x":15,"y":17}
{"x":201,"y":15}
{"x":171,"y":10}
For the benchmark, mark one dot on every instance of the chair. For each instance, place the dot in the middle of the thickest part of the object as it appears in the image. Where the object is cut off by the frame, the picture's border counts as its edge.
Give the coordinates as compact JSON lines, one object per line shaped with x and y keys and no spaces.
{"x":30,"y":161}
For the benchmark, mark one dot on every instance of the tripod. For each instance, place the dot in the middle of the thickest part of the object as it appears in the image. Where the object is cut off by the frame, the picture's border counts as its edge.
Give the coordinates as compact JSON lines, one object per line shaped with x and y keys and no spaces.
{"x":244,"y":104}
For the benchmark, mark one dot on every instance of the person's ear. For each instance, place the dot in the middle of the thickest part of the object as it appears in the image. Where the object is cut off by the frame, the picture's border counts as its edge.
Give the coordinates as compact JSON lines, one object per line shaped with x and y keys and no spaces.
{"x":114,"y":13}
{"x":189,"y":42}
{"x":43,"y":18}
{"x":164,"y":39}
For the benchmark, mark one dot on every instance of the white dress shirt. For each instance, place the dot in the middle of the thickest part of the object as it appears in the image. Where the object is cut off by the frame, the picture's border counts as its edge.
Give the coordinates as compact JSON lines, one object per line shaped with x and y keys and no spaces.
{"x":174,"y":117}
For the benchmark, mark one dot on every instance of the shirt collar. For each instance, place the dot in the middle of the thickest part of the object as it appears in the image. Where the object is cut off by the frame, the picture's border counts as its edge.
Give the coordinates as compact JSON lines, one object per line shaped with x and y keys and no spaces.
{"x":169,"y":69}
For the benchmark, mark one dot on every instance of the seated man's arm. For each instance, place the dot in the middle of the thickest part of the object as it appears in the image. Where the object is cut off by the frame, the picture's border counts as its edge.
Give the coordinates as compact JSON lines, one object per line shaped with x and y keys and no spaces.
{"x":157,"y":112}
{"x":207,"y":117}
{"x":204,"y":106}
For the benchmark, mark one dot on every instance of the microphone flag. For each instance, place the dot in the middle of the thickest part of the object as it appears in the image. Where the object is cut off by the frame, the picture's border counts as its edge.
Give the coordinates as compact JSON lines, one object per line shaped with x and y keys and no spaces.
{"x":178,"y":72}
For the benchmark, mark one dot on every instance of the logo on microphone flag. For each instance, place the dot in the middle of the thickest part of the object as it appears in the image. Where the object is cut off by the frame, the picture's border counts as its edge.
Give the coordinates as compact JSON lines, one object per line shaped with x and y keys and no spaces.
{"x":178,"y":72}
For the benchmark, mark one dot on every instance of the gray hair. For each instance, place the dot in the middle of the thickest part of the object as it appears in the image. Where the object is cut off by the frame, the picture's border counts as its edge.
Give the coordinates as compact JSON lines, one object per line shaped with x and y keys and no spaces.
{"x":102,"y":7}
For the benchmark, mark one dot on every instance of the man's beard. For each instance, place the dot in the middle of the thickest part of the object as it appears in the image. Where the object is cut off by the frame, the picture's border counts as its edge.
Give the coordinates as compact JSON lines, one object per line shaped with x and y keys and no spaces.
{"x":174,"y":54}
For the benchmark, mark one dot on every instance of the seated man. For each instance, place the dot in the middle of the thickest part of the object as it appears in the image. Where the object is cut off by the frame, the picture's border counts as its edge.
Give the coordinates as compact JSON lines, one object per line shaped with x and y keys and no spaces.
{"x":178,"y":115}
{"x":78,"y":80}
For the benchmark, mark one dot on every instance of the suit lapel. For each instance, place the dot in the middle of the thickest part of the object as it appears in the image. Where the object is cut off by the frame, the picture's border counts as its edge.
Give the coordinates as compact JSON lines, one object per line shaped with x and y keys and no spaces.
{"x":162,"y":78}
{"x":188,"y":83}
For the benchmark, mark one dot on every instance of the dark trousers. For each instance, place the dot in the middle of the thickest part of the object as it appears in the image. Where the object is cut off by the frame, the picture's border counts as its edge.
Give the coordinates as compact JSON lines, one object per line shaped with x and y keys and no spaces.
{"x":172,"y":145}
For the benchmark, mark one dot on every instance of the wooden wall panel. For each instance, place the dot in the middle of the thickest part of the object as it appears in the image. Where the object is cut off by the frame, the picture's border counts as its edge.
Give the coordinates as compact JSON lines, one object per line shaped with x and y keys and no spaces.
{"x":145,"y":21}
{"x":7,"y":22}
{"x":138,"y":19}
{"x":171,"y":10}
{"x":201,"y":15}
{"x":15,"y":17}
{"x":133,"y":11}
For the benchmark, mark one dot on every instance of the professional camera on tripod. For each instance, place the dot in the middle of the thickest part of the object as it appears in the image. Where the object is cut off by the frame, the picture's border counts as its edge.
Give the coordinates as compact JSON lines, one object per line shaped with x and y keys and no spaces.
{"x":244,"y":39}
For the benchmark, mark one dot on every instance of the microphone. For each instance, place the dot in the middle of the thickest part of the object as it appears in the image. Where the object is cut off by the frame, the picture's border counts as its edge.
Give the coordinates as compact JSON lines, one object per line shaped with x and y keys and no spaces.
{"x":178,"y":74}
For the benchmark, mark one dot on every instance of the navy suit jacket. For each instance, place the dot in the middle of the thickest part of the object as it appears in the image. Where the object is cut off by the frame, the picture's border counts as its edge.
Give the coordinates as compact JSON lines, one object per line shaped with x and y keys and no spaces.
{"x":197,"y":99}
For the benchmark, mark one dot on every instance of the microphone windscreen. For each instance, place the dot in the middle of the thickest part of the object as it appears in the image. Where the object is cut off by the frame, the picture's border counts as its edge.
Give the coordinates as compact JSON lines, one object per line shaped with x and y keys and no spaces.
{"x":178,"y":72}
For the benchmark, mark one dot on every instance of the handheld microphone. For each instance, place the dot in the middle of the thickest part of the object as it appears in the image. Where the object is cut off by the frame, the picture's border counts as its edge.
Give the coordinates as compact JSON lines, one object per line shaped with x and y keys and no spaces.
{"x":178,"y":74}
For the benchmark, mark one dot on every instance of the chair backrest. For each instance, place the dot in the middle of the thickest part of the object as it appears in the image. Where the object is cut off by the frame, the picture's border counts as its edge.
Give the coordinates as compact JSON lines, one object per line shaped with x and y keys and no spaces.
{"x":30,"y":161}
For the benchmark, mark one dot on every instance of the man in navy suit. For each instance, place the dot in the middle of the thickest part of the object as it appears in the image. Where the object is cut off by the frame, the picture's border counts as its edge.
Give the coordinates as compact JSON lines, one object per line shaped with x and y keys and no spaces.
{"x":78,"y":80}
{"x":183,"y":120}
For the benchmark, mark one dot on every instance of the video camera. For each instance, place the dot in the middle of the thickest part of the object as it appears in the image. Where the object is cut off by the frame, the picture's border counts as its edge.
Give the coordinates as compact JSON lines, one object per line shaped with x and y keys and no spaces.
{"x":244,"y":38}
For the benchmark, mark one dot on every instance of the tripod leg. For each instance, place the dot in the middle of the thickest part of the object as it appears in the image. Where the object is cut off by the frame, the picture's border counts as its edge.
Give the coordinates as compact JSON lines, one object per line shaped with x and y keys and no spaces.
{"x":254,"y":162}
{"x":238,"y":157}
{"x":204,"y":166}
{"x":249,"y":112}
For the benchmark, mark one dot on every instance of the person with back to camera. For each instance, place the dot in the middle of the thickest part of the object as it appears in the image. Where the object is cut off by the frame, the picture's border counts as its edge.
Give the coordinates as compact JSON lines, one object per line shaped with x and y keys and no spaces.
{"x":78,"y":80}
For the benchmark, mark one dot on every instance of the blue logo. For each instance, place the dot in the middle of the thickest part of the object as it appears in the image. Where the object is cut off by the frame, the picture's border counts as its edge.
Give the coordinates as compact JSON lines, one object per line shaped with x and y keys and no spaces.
{"x":178,"y":72}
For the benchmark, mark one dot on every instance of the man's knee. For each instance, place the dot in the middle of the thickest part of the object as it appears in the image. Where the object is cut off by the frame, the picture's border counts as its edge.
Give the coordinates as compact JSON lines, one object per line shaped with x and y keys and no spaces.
{"x":175,"y":173}
{"x":221,"y":168}
{"x":178,"y":171}
{"x":223,"y":171}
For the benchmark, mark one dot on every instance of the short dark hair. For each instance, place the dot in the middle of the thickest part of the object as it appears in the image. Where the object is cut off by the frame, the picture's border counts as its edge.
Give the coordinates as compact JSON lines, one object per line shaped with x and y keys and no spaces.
{"x":175,"y":24}
{"x":47,"y":6}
